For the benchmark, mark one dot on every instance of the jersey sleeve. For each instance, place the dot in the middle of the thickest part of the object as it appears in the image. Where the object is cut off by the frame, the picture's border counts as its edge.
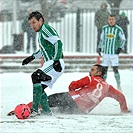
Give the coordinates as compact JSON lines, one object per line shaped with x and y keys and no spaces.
{"x":118,"y":96}
{"x":122,"y":38}
{"x":100,"y":45}
{"x":79,"y":83}
{"x":37,"y":54}
{"x":50,"y":34}
{"x":58,"y":50}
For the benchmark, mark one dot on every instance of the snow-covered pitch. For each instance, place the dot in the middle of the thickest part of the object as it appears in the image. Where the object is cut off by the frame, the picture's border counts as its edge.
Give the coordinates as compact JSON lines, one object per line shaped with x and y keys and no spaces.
{"x":16,"y":88}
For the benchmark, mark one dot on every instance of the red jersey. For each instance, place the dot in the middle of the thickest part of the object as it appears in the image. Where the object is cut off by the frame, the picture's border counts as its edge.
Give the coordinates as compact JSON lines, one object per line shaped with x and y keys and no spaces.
{"x":89,"y":91}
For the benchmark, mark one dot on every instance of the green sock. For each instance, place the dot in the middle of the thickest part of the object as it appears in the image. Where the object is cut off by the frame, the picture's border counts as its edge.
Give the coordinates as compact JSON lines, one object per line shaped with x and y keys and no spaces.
{"x":44,"y":103}
{"x":117,"y":77}
{"x":37,"y":91}
{"x":105,"y":77}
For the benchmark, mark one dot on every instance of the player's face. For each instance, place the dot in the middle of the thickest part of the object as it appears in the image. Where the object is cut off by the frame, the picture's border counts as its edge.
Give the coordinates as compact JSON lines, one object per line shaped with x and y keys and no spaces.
{"x":35,"y":24}
{"x":94,"y":71}
{"x":111,"y":21}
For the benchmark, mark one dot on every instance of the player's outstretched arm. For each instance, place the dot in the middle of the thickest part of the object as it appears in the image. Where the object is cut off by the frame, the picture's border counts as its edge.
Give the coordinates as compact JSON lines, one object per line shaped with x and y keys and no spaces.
{"x":118,"y":96}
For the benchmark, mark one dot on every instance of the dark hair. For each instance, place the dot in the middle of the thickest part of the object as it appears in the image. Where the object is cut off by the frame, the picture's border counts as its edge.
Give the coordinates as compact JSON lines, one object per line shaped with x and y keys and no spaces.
{"x":100,"y":68}
{"x":104,"y":4}
{"x":35,"y":14}
{"x":112,"y":15}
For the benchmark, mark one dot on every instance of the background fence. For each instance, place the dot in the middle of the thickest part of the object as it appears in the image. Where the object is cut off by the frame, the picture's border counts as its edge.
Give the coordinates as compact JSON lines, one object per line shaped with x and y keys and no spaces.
{"x":77,"y":37}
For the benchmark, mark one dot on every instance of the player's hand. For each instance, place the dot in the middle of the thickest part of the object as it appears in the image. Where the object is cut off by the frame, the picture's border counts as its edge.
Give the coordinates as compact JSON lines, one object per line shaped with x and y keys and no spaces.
{"x":27,"y":60}
{"x":118,"y":51}
{"x":57,"y":66}
{"x":126,"y":111}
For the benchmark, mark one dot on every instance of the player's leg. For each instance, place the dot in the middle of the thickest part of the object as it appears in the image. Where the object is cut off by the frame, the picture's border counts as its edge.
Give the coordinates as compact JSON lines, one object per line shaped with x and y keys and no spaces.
{"x":105,"y":72}
{"x":54,"y":102}
{"x":37,"y":77}
{"x":64,"y":102}
{"x":105,"y":64}
{"x":49,"y":70}
{"x":55,"y":99}
{"x":114,"y":61}
{"x":45,"y":105}
{"x":117,"y":77}
{"x":69,"y":105}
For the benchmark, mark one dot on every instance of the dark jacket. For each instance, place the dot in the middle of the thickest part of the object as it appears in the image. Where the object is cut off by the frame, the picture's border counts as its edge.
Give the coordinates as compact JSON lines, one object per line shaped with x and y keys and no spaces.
{"x":101,"y":18}
{"x":26,"y":26}
{"x":123,"y":23}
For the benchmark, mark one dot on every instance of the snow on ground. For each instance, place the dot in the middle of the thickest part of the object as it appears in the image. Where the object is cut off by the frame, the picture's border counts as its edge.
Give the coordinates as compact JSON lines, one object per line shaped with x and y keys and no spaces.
{"x":16,"y":88}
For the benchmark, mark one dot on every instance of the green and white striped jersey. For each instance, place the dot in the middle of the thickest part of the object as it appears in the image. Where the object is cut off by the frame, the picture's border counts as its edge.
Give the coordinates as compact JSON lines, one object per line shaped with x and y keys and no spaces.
{"x":49,"y":43}
{"x":112,"y":38}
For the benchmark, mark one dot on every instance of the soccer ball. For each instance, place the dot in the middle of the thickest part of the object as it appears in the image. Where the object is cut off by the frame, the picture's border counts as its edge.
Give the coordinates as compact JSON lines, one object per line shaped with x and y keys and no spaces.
{"x":22,"y":111}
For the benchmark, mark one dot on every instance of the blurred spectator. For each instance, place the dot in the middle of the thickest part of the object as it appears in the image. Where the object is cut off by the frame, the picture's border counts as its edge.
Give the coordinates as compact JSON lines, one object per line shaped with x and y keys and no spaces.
{"x":123,"y":23}
{"x":31,"y":35}
{"x":101,"y":18}
{"x":115,"y":5}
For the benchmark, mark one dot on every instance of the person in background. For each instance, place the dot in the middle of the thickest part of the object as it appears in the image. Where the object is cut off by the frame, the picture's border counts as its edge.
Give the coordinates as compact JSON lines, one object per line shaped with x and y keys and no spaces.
{"x":50,"y":48}
{"x":123,"y":22}
{"x":101,"y":17}
{"x":85,"y":94}
{"x":111,"y":43}
{"x":115,"y":5}
{"x":31,"y":35}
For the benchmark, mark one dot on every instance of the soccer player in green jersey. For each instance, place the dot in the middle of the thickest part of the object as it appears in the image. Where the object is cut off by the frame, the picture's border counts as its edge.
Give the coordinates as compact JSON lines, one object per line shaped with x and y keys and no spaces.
{"x":50,"y":48}
{"x":111,"y":43}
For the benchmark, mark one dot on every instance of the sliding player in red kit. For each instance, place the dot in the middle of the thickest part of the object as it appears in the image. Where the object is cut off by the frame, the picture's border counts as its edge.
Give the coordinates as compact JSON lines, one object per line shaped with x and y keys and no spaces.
{"x":89,"y":91}
{"x":85,"y":94}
